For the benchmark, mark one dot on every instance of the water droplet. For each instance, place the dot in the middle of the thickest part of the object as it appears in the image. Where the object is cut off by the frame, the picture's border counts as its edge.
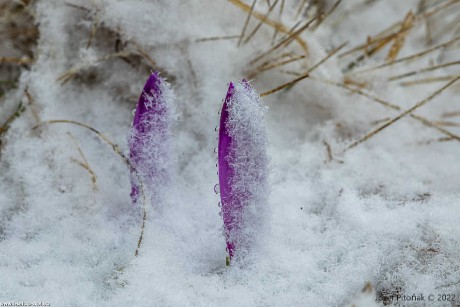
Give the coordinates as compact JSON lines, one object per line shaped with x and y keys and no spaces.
{"x":218,"y":173}
{"x":216,"y":129}
{"x":217,"y":164}
{"x":220,"y":213}
{"x":133,"y":112}
{"x":219,"y":204}
{"x":215,"y":150}
{"x":218,"y":112}
{"x":217,"y":189}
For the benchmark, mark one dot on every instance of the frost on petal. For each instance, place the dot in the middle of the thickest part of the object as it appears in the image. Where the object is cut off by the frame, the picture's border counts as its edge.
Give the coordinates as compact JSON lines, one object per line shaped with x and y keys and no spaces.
{"x":243,"y":168}
{"x":150,"y":140}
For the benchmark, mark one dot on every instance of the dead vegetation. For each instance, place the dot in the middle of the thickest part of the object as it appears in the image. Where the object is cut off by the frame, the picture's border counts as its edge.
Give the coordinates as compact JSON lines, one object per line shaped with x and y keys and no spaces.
{"x":287,"y":48}
{"x":19,"y":34}
{"x":280,"y":53}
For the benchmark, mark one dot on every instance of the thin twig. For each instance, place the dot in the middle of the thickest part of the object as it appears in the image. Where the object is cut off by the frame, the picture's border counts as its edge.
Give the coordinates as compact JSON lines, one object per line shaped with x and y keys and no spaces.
{"x":410,"y":57}
{"x":92,"y":33}
{"x":384,"y":34}
{"x":260,"y":23}
{"x":268,"y":21}
{"x":64,"y":78}
{"x":390,"y":105}
{"x":401,"y":38}
{"x":403,"y":114}
{"x":299,"y":10}
{"x":84,"y":164}
{"x":246,"y":22}
{"x":31,"y":103}
{"x":319,"y":63}
{"x":263,"y":68}
{"x":428,"y":80}
{"x":285,"y":85}
{"x":431,"y":68}
{"x":285,"y":41}
{"x":305,"y":75}
{"x":19,"y":61}
{"x":328,"y":13}
{"x":117,"y":150}
{"x":372,"y":41}
{"x":450,"y":114}
{"x":6,"y":125}
{"x":216,"y":38}
{"x":447,"y":124}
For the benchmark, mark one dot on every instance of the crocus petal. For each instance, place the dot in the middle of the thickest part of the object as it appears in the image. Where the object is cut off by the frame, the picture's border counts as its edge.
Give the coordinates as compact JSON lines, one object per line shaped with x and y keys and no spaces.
{"x":243,"y":167}
{"x":149,"y":142}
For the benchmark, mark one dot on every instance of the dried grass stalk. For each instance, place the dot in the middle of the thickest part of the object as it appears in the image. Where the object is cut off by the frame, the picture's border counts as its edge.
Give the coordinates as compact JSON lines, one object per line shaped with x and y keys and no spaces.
{"x":403,"y":114}
{"x":401,"y":38}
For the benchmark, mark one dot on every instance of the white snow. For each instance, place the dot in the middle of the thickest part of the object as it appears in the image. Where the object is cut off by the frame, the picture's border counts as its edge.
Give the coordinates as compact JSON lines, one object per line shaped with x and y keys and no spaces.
{"x":385,"y":212}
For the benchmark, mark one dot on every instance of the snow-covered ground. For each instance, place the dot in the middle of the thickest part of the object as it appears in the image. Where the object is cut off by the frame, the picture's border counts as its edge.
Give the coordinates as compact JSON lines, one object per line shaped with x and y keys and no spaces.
{"x":383,"y":215}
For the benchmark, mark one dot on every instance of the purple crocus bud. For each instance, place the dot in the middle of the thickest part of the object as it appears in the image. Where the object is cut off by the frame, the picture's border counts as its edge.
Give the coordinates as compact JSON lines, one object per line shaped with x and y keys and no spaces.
{"x":150,"y":141}
{"x":243,"y":168}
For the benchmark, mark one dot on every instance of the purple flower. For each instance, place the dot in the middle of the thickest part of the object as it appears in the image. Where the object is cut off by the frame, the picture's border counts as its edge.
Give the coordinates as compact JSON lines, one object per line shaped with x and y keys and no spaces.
{"x":150,"y":140}
{"x":243,"y":168}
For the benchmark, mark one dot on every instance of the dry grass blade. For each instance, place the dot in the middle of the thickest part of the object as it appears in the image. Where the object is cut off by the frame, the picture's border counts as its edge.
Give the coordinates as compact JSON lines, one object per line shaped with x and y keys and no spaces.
{"x":6,"y":125}
{"x":92,"y":33}
{"x":19,"y":61}
{"x":275,"y":32}
{"x":428,"y":80}
{"x":274,"y":24}
{"x":144,"y":54}
{"x":78,"y":7}
{"x":285,"y":85}
{"x":411,"y":57}
{"x":438,"y":9}
{"x":403,"y":114}
{"x":423,"y":70}
{"x":447,"y":124}
{"x":371,"y":41}
{"x":246,"y":22}
{"x":428,"y":32}
{"x":297,"y":33}
{"x":284,"y":41}
{"x":305,"y":75}
{"x":369,"y":51}
{"x":390,"y":105}
{"x":84,"y":164}
{"x":260,"y":23}
{"x":388,"y":33}
{"x":451,"y":114}
{"x":117,"y":150}
{"x":401,"y":38}
{"x":439,"y":140}
{"x":31,"y":103}
{"x":264,"y":68}
{"x":327,"y":57}
{"x":64,"y":78}
{"x":216,"y":38}
{"x":328,"y":13}
{"x":300,"y":9}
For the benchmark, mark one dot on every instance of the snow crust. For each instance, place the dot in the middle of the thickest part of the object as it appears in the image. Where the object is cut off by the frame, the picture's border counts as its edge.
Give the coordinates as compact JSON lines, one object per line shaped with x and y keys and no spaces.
{"x":385,"y":212}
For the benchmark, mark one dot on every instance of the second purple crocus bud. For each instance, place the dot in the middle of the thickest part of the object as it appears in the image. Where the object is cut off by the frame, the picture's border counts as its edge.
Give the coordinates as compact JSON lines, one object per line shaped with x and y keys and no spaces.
{"x":243,"y":168}
{"x":150,"y":140}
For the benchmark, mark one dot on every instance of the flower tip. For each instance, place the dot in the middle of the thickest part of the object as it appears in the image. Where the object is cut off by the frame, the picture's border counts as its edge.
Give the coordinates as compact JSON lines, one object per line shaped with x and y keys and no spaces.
{"x":153,"y":82}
